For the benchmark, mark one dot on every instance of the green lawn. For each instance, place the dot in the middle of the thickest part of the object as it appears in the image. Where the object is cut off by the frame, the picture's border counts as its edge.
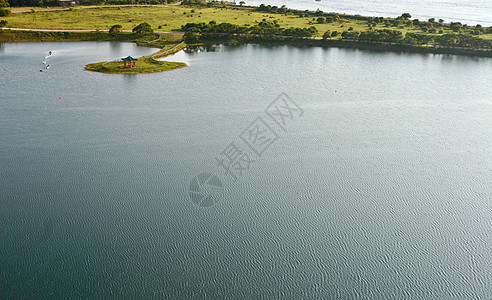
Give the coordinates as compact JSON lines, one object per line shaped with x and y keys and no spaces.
{"x":143,"y":65}
{"x":171,"y":18}
{"x":168,"y":18}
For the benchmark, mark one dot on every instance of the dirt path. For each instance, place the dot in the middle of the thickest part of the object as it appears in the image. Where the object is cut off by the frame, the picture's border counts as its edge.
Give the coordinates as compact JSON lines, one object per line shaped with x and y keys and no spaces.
{"x":78,"y":30}
{"x":162,"y":53}
{"x":16,"y":10}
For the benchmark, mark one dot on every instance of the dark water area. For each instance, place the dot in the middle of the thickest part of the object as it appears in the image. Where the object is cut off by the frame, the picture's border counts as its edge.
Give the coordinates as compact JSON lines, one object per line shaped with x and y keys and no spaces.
{"x":376,"y":186}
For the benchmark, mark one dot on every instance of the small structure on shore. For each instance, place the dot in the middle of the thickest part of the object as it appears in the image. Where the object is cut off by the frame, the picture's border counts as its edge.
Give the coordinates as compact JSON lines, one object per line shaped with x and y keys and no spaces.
{"x":129,"y":59}
{"x":67,"y":2}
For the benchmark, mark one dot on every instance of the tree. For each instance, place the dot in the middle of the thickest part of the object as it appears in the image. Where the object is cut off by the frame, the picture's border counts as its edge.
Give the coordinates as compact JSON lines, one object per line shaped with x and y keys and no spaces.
{"x":191,"y":37}
{"x":312,"y":30}
{"x":406,"y":16}
{"x":115,"y":30}
{"x":326,"y":35}
{"x":350,"y":35}
{"x":321,"y":20}
{"x":143,"y":28}
{"x":334,"y":33}
{"x":432,"y":20}
{"x":381,"y":35}
{"x":241,"y":3}
{"x":187,"y":2}
{"x":455,"y":26}
{"x":3,"y":23}
{"x":4,"y":12}
{"x":4,"y":8}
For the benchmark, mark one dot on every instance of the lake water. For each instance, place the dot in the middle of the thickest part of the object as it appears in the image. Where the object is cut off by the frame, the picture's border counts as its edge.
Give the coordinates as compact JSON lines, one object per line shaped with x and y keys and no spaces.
{"x":381,"y":189}
{"x":469,"y":12}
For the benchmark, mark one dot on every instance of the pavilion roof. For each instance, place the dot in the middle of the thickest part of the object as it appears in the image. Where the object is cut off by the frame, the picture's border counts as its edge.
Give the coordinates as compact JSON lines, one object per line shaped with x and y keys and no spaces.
{"x":128,"y":58}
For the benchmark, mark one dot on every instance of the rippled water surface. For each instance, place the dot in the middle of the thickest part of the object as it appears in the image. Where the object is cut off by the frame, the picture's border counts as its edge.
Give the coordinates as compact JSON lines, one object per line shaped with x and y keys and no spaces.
{"x":469,"y":12}
{"x":380,"y":190}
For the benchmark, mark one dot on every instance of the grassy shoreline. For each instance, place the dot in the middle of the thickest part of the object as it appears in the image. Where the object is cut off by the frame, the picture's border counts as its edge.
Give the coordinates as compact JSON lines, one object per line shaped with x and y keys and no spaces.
{"x":173,"y":18}
{"x":167,"y":44}
{"x":350,"y":44}
{"x":43,"y":36}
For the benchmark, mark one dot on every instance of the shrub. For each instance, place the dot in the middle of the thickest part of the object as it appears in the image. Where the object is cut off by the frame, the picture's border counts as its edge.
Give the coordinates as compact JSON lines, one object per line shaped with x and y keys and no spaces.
{"x":406,"y":16}
{"x":4,"y":12}
{"x":350,"y":35}
{"x":330,"y":19}
{"x":327,"y":35}
{"x":191,"y":37}
{"x":115,"y":30}
{"x":143,"y":28}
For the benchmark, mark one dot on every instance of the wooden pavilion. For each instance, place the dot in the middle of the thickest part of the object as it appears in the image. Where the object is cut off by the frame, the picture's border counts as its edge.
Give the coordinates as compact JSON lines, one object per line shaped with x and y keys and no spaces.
{"x":129,"y":59}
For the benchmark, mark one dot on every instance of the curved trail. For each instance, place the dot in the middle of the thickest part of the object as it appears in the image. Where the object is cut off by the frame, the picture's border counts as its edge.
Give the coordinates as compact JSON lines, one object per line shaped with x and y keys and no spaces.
{"x":166,"y":52}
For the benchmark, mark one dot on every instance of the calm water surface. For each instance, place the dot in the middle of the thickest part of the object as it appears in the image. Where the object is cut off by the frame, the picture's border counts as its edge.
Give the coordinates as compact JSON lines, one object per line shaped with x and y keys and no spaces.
{"x":469,"y":12}
{"x":381,"y":190}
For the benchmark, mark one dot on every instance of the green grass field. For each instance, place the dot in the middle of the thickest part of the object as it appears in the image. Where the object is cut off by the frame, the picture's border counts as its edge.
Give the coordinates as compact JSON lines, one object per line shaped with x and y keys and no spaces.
{"x":143,"y":65}
{"x":171,"y":18}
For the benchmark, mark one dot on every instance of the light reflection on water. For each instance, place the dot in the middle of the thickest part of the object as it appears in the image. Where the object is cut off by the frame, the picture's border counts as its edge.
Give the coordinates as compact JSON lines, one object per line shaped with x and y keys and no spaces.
{"x":469,"y":12}
{"x":381,"y":190}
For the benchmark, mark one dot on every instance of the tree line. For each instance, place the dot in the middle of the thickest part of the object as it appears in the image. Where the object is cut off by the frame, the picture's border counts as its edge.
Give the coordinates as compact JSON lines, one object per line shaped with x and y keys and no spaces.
{"x":396,"y":36}
{"x":195,"y":32}
{"x":203,"y":31}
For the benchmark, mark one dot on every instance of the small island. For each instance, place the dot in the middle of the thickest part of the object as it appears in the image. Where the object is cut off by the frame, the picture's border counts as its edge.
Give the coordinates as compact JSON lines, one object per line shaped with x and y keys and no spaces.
{"x":145,"y":64}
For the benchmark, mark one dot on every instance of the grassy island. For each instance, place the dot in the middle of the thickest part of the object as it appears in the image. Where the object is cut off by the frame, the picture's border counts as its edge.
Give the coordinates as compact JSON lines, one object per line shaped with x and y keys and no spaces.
{"x":216,"y":22}
{"x":145,"y":64}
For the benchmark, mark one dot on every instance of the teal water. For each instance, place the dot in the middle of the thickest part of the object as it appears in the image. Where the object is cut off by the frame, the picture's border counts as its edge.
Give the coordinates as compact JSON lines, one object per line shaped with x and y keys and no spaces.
{"x":380,"y":190}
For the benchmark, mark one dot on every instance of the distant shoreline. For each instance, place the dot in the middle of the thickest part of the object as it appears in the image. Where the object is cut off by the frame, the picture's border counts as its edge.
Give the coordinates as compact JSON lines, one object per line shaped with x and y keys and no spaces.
{"x":369,"y":33}
{"x":60,"y":36}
